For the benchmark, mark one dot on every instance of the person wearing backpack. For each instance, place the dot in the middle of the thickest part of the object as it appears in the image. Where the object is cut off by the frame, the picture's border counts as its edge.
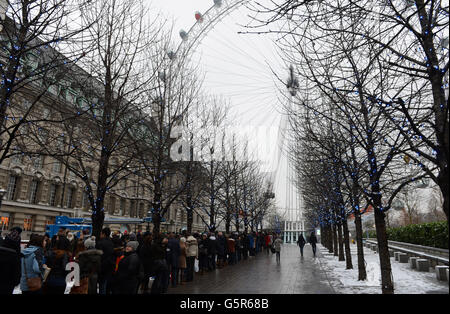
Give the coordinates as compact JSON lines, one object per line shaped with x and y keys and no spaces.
{"x":32,"y":265}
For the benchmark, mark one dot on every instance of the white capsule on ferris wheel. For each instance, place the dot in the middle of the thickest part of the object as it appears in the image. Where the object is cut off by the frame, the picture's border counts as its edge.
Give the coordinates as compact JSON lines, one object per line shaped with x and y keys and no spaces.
{"x":183,"y":35}
{"x":171,"y":55}
{"x":218,"y":3}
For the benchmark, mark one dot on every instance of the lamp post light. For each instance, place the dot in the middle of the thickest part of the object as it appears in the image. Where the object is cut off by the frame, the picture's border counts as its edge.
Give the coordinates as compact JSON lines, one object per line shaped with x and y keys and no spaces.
{"x":2,"y":194}
{"x":292,"y":83}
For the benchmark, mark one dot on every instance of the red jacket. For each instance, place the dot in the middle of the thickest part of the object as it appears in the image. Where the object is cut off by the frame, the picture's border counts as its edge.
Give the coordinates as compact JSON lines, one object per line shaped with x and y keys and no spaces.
{"x":267,"y":239}
{"x":231,"y":246}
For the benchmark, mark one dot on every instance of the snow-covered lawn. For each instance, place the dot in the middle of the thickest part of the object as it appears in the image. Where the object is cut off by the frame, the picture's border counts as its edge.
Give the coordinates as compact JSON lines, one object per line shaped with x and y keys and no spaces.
{"x":406,"y":280}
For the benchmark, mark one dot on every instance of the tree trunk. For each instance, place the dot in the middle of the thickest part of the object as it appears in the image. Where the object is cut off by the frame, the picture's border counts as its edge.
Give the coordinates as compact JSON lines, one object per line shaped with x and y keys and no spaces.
{"x":348,"y":253}
{"x":156,"y":220}
{"x":190,"y":218}
{"x":385,"y":262}
{"x":362,"y":274}
{"x":98,"y":217}
{"x":341,"y":242}
{"x":335,"y":241}
{"x":156,"y":210}
{"x":330,"y":239}
{"x":444,"y":186}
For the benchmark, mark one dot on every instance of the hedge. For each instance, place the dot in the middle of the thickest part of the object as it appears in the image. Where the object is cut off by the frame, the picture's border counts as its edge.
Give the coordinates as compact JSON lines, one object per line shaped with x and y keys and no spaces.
{"x":433,"y":234}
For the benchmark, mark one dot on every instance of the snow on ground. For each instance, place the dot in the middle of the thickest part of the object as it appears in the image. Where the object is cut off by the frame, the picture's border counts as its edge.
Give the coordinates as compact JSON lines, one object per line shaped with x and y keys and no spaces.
{"x":406,"y":280}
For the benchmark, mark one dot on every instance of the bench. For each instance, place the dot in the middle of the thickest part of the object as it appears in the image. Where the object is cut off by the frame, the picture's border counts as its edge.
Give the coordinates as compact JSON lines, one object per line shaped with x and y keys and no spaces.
{"x":412,"y":262}
{"x":442,"y":273}
{"x":403,"y":258}
{"x":423,"y":264}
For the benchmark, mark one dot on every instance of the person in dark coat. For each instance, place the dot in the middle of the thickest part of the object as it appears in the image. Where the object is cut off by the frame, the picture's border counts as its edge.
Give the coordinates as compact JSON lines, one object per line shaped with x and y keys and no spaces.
{"x":173,"y":256}
{"x":212,"y":252}
{"x":313,"y":241}
{"x":16,"y":233}
{"x":301,"y":243}
{"x":118,"y":255}
{"x":159,"y":266}
{"x":90,"y":261}
{"x":203,"y":254}
{"x":145,"y":255}
{"x":221,"y":250}
{"x":10,"y":267}
{"x":245,"y":245}
{"x":105,"y":244}
{"x":239,"y":247}
{"x":57,"y":260}
{"x":130,"y":271}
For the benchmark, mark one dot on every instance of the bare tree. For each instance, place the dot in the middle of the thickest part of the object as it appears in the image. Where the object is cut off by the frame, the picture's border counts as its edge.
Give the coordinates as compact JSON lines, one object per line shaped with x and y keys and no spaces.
{"x":40,"y":41}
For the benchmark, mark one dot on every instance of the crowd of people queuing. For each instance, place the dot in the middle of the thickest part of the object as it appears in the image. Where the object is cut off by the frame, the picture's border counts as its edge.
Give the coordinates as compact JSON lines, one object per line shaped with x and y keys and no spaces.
{"x":122,"y":263}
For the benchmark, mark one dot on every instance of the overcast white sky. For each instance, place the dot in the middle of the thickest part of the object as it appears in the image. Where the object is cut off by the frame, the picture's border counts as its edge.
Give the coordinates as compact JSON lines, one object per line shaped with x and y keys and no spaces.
{"x":238,"y":67}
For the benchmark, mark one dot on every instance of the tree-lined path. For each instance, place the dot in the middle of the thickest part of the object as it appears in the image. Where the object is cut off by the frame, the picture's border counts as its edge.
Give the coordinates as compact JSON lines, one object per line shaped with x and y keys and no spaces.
{"x":262,"y":275}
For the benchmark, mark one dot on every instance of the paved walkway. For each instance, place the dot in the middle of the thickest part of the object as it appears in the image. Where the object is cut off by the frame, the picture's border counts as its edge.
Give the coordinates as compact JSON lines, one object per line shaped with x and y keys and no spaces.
{"x":262,"y":275}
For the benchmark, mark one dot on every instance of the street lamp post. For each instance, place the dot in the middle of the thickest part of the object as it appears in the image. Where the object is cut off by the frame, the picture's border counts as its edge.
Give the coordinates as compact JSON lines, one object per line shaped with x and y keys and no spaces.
{"x":292,"y":86}
{"x":2,"y":194}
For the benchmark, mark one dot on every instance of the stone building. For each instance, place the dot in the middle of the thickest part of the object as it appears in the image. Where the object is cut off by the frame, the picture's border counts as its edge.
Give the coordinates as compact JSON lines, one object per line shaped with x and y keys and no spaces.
{"x":39,"y":187}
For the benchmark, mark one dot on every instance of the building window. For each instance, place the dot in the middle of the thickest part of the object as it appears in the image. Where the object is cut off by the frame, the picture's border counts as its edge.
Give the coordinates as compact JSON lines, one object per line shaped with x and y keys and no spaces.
{"x":57,"y":166}
{"x":85,"y":200}
{"x":122,"y":207}
{"x":38,"y":162}
{"x":132,"y":208}
{"x":52,"y":198}
{"x":112,"y":203}
{"x":141,"y":210}
{"x":34,"y":191}
{"x":27,"y":223}
{"x":4,"y":221}
{"x":69,"y":201}
{"x":12,"y":187}
{"x":18,"y":157}
{"x":73,"y":166}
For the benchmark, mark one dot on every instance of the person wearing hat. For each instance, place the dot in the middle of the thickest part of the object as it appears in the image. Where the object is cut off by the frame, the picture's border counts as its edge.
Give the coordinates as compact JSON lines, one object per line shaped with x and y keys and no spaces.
{"x":32,"y":264}
{"x":130,"y":270}
{"x":90,"y":260}
{"x":12,"y":239}
{"x":10,"y":268}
